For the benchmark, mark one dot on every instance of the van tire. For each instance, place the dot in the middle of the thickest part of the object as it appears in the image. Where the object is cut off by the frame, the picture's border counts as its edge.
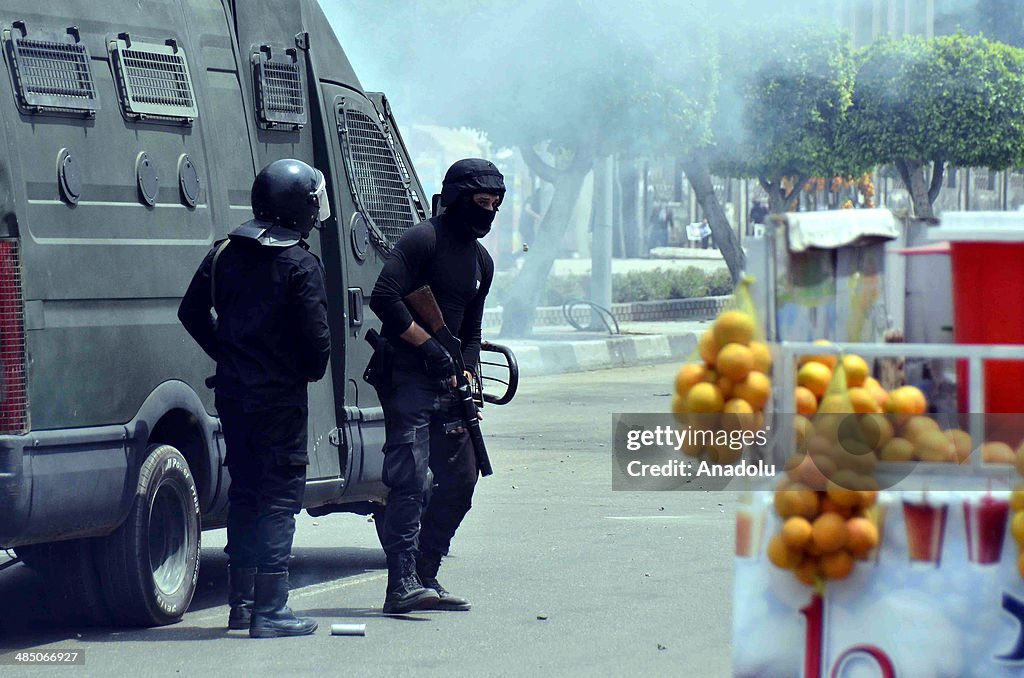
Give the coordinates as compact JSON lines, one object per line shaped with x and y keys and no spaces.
{"x":74,"y":589}
{"x":150,"y":565}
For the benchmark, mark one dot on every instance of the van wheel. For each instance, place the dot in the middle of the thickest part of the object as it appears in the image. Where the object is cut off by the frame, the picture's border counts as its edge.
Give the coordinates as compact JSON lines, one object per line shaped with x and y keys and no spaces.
{"x":150,"y":564}
{"x":74,"y":583}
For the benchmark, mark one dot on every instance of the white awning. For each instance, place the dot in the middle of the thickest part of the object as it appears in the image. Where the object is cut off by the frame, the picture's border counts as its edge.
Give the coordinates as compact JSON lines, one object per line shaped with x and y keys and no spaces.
{"x":839,"y":228}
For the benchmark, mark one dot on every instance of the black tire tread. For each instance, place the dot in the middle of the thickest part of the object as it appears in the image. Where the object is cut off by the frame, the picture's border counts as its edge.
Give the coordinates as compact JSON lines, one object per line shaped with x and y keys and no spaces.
{"x":124,"y":584}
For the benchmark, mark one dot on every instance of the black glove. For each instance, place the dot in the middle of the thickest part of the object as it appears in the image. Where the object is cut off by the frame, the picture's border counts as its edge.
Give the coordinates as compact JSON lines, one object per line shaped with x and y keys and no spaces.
{"x":439,"y":363}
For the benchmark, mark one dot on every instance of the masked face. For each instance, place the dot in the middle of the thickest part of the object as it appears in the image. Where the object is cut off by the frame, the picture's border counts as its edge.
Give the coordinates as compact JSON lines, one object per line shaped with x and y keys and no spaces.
{"x":473,"y":217}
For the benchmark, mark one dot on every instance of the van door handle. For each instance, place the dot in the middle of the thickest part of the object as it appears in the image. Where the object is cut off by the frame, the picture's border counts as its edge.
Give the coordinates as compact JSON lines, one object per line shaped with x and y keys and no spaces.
{"x":355,"y":306}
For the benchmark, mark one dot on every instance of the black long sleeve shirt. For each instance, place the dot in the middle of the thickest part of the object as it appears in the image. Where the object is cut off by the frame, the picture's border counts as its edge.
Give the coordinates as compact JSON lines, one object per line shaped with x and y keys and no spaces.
{"x":459,"y":272}
{"x":271,"y":337}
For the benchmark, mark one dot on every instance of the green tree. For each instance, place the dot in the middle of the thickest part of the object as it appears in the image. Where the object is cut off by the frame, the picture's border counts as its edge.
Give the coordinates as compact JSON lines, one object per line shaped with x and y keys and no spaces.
{"x":919,"y":104}
{"x":780,"y":120}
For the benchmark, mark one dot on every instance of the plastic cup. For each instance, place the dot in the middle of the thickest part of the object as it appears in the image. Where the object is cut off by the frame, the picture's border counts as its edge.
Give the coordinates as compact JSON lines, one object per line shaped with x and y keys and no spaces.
{"x":985,"y":520}
{"x":749,"y":528}
{"x":926,"y":528}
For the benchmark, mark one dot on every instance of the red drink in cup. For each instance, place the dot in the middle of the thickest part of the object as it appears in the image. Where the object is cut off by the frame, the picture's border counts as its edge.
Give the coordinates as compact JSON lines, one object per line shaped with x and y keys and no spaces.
{"x":986,"y":528}
{"x":926,"y":527}
{"x":744,"y":534}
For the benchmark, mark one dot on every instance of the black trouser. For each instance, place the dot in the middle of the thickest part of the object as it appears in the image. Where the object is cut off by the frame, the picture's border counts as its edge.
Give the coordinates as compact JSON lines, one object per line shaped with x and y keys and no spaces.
{"x":415,"y":412}
{"x":267,"y":457}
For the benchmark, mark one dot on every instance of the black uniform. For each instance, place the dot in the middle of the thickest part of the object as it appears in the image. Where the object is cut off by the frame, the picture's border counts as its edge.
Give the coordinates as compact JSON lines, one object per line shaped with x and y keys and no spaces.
{"x":270,"y":340}
{"x":459,"y":272}
{"x":444,"y":253}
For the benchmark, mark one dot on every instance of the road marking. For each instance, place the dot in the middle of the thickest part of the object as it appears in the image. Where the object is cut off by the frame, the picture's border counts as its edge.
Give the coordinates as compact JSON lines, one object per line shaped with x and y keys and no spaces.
{"x":648,"y":517}
{"x":304,"y":592}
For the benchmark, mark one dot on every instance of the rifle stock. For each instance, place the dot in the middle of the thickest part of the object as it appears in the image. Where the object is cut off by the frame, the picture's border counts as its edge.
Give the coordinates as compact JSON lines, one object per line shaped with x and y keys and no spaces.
{"x":424,"y":306}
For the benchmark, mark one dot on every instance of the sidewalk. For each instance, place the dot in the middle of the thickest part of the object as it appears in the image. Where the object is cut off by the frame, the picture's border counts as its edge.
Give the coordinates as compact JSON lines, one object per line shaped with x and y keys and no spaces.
{"x":558,"y":349}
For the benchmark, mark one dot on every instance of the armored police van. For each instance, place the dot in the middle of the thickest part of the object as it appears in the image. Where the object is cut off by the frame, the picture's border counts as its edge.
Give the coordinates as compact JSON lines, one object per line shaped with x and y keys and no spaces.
{"x":132,"y":132}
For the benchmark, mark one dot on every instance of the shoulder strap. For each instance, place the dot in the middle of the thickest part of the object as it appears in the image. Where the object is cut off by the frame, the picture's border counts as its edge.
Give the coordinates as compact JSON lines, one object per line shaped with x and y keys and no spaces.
{"x":213,"y":270}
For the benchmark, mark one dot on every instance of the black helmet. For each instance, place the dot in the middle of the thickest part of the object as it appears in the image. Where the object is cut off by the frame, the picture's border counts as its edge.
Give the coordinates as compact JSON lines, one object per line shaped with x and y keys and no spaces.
{"x":472,"y":175}
{"x":292,"y":194}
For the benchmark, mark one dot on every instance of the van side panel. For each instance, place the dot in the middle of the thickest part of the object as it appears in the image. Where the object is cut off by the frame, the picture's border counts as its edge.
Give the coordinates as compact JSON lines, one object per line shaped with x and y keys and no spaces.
{"x":102,"y":278}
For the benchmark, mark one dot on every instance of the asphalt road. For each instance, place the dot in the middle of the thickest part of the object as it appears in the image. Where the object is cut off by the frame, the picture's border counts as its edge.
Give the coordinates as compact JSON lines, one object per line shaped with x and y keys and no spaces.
{"x":566,"y":577}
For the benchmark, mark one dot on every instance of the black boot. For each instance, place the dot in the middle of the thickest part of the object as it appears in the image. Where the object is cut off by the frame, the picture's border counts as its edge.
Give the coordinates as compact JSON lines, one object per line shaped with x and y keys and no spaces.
{"x":426,"y":567}
{"x":242,"y":581}
{"x":271,"y":616}
{"x":405,"y":593}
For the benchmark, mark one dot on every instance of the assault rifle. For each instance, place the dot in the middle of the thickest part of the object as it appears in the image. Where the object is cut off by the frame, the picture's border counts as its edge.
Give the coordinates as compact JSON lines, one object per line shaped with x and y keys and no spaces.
{"x":424,"y":307}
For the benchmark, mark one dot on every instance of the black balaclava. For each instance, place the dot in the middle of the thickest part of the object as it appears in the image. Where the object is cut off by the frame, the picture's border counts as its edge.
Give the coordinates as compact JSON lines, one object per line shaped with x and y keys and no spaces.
{"x":463,"y":180}
{"x":469,"y":219}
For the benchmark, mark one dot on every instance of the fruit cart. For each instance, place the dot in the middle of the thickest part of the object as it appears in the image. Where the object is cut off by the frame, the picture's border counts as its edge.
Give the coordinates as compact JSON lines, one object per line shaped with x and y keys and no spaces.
{"x":882,"y":548}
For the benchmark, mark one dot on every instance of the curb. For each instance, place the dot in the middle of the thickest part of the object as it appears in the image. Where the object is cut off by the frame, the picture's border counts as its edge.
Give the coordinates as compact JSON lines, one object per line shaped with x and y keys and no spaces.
{"x":557,"y":357}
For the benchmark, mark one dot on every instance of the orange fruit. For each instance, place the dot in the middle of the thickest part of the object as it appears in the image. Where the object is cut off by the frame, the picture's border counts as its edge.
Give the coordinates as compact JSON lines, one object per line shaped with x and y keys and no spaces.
{"x":704,"y":398}
{"x":688,"y":375}
{"x":806,"y":402}
{"x":814,"y":377}
{"x":807,"y":571}
{"x":863,"y":536}
{"x":828,"y":360}
{"x":735,"y":361}
{"x":733,"y":327}
{"x":1020,"y":459}
{"x":862,"y":400}
{"x":1017,"y":498}
{"x":997,"y":453}
{"x":837,"y":565}
{"x":762,"y":356}
{"x":876,"y":430}
{"x":801,"y":426}
{"x":880,"y":394}
{"x":907,"y":400}
{"x":857,"y":370}
{"x":796,"y":500}
{"x":829,"y":532}
{"x":843,"y":497}
{"x":934,"y":446}
{"x":829,"y":506}
{"x":781,"y":555}
{"x":708,"y":348}
{"x":961,"y":443}
{"x":796,"y":532}
{"x":755,"y":389}
{"x":724,"y":385}
{"x":724,"y":455}
{"x":739,"y":415}
{"x":898,"y":450}
{"x":809,"y":472}
{"x":915,"y":426}
{"x":868,"y":498}
{"x":1017,"y":527}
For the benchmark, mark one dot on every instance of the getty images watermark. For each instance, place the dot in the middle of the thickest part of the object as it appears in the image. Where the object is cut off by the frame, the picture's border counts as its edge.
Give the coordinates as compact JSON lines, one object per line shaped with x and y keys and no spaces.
{"x":659,"y":452}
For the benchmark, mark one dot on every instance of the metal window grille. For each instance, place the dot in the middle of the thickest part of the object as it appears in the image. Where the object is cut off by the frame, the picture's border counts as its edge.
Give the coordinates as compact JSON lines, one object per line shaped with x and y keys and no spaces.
{"x":379,"y":180}
{"x":52,"y":76}
{"x":279,"y":93}
{"x":13,"y":387}
{"x":155,"y":82}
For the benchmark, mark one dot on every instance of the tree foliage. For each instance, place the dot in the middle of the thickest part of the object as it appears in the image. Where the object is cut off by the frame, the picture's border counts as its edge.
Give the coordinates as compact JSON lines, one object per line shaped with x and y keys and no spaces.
{"x":782,"y":110}
{"x":955,"y":99}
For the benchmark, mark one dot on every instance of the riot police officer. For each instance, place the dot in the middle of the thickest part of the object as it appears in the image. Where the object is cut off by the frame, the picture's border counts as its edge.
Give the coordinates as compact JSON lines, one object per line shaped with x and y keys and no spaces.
{"x":445,"y":253}
{"x":270,"y":339}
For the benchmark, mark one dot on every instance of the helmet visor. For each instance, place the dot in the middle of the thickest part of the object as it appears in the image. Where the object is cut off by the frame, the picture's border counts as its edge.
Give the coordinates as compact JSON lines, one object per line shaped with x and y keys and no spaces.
{"x":323,"y":204}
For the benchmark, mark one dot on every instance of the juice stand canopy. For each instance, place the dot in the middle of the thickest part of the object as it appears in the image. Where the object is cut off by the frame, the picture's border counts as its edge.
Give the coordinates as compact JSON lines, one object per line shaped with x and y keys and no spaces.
{"x":839,"y":228}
